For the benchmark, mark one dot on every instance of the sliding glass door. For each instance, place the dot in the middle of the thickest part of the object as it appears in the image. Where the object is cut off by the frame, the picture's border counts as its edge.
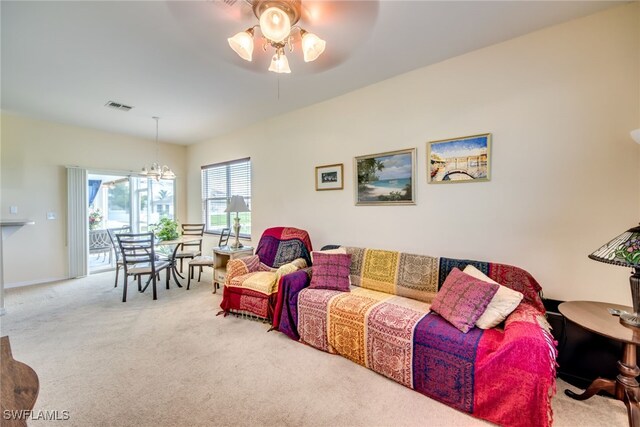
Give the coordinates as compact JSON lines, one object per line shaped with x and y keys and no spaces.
{"x":123,"y":204}
{"x":109,"y":209}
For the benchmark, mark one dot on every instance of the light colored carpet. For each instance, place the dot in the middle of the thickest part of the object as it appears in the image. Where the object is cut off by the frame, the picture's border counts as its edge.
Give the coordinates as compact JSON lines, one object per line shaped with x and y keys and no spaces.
{"x":173,"y":362}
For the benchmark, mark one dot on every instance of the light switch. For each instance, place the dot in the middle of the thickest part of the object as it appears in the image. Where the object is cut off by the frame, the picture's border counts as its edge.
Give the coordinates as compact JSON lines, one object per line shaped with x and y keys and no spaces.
{"x":13,"y":210}
{"x":51,"y":215}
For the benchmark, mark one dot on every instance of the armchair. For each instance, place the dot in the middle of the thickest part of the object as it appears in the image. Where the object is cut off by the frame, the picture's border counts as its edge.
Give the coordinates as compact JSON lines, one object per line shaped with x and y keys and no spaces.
{"x":251,"y":284}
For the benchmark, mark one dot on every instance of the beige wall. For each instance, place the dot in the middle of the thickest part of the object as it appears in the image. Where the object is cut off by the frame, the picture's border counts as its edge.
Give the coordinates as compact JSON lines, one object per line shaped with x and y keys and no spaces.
{"x":560,"y":103}
{"x":34,"y":155}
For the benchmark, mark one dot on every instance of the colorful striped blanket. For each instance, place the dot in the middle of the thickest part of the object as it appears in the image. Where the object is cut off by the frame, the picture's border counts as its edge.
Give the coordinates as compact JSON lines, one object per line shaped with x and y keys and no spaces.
{"x":504,"y":375}
{"x":251,"y":283}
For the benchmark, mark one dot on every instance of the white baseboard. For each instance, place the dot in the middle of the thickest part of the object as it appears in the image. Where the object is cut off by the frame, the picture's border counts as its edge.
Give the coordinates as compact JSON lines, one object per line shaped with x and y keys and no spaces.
{"x":33,"y":282}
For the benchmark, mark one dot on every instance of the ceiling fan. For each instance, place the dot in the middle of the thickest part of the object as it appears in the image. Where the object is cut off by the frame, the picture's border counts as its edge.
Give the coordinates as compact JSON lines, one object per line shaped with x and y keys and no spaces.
{"x":345,"y":25}
{"x":277,"y":23}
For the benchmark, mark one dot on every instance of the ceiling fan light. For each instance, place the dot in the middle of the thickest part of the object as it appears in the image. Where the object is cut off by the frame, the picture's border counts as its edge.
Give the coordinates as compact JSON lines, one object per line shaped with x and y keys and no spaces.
{"x":280,"y":64}
{"x":312,"y":46}
{"x":275,"y":24}
{"x":242,"y":44}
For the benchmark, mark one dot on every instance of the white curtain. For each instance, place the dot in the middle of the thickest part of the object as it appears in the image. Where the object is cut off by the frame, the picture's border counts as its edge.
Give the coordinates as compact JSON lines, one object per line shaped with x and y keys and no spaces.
{"x":77,"y":214}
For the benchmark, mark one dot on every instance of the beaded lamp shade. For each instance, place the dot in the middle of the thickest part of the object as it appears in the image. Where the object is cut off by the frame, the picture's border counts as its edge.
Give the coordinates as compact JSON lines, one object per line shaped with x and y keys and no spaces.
{"x":624,"y":250}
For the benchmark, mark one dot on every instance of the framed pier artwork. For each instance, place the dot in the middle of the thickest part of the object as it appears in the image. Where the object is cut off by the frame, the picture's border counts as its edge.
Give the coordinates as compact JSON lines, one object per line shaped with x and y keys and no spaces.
{"x":466,"y":159}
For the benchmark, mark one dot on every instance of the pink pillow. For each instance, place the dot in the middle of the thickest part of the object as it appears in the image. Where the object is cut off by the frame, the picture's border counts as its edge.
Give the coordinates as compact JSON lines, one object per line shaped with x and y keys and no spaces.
{"x":330,"y":271}
{"x":462,"y":299}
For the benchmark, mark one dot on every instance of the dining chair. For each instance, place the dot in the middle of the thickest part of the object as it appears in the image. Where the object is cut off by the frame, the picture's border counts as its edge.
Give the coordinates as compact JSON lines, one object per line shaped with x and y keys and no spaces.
{"x":112,"y":232}
{"x":139,"y":259}
{"x":192,"y":249}
{"x":207,"y":261}
{"x":224,"y":237}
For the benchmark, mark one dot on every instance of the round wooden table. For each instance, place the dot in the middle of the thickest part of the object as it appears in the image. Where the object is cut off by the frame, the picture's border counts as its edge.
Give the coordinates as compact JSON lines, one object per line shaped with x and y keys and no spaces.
{"x":594,"y":317}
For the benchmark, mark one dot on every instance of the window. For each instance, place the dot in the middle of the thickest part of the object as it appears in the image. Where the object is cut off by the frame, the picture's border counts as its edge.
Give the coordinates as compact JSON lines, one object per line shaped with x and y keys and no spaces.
{"x":219,"y":182}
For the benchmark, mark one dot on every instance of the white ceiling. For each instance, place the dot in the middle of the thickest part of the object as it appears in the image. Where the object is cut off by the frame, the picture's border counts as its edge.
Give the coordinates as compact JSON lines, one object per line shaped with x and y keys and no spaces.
{"x":62,"y":61}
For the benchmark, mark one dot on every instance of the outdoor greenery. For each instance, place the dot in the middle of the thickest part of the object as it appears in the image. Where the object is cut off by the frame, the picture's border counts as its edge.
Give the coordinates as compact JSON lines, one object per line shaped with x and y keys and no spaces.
{"x":119,"y":197}
{"x":95,"y":218}
{"x":219,"y":221}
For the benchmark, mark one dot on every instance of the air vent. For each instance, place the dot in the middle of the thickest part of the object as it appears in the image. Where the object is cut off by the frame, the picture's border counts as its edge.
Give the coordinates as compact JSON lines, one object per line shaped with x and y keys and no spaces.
{"x":118,"y":106}
{"x":229,"y":3}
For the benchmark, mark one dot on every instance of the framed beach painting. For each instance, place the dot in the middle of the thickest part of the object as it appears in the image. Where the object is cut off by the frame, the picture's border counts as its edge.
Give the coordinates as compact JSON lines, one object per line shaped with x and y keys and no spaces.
{"x":386,"y":178}
{"x":466,"y":159}
{"x":329,"y":177}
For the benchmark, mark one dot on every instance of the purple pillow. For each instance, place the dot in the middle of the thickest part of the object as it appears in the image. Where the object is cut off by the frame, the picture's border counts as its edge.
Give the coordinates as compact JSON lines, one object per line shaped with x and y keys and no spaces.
{"x":462,"y":299}
{"x":330,"y":271}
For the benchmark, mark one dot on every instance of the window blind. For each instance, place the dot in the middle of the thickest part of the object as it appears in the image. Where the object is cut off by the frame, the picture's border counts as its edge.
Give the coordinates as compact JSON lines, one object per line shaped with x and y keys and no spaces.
{"x":220,"y":181}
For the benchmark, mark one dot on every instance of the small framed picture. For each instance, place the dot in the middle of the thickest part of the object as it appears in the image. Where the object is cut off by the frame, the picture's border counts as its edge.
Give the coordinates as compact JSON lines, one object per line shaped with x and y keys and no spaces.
{"x":329,"y":177}
{"x":465,"y":159}
{"x":386,"y":178}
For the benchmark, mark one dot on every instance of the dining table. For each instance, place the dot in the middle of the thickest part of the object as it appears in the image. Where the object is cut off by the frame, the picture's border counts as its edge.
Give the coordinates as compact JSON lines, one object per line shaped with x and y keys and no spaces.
{"x":169,"y":249}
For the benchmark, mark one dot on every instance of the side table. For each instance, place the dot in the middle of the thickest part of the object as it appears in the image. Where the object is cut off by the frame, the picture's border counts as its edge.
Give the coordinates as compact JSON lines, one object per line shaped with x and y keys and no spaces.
{"x":221,"y":256}
{"x":594,"y":317}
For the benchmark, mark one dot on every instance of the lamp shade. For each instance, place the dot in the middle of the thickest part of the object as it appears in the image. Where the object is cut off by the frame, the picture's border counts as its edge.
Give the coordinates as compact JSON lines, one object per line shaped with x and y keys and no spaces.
{"x":312,"y":46}
{"x":623,"y":250}
{"x":242,"y":44}
{"x":635,"y":134}
{"x":237,"y":204}
{"x":279,"y":64}
{"x":275,"y":24}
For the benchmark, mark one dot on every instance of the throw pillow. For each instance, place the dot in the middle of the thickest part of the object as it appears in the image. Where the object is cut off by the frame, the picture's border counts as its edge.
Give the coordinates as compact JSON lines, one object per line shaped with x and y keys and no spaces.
{"x":294,"y":265}
{"x":330,"y":271}
{"x":339,"y":250}
{"x":501,"y":305}
{"x":462,"y":299}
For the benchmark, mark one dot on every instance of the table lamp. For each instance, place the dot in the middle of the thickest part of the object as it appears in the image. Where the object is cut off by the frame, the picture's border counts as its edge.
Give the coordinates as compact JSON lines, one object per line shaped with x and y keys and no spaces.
{"x":624,"y":250}
{"x":237,"y":204}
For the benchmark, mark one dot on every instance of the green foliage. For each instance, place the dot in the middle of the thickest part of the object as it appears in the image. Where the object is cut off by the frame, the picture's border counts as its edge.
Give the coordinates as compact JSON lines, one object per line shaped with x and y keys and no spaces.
{"x":166,"y":229}
{"x":630,"y":250}
{"x":367,"y":169}
{"x":395,"y":196}
{"x":95,"y":218}
{"x":119,"y":196}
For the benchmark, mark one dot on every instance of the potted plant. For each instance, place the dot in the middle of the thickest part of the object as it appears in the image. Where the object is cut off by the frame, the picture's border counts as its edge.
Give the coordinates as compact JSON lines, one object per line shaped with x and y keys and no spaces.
{"x":166,"y":229}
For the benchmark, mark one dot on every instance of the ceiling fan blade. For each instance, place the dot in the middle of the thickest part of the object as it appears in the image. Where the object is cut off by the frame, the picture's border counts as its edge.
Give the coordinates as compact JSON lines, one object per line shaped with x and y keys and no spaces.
{"x":237,"y":10}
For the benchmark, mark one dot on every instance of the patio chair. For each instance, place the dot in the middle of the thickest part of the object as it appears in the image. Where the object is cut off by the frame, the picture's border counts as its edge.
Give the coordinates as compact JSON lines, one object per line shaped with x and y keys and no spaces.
{"x":100,"y":244}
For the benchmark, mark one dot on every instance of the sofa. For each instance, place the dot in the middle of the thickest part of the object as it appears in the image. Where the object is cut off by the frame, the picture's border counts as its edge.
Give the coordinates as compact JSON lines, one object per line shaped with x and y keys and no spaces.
{"x":505,"y":374}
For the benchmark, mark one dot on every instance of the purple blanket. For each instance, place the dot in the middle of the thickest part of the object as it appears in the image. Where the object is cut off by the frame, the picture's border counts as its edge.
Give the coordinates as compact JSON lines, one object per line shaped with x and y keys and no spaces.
{"x":444,"y":361}
{"x":285,"y":318}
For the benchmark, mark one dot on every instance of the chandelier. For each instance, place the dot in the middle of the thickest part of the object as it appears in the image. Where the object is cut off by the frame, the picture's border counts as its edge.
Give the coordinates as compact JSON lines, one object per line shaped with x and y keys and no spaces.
{"x":156,"y":171}
{"x":277,"y":22}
